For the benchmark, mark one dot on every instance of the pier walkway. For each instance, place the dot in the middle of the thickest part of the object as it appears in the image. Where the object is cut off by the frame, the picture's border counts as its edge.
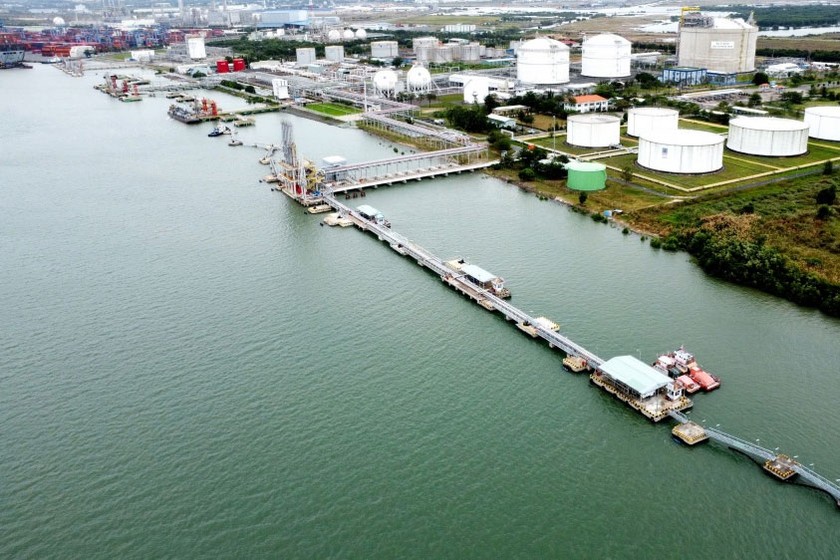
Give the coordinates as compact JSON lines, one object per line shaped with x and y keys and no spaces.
{"x":488,"y":300}
{"x":807,"y":476}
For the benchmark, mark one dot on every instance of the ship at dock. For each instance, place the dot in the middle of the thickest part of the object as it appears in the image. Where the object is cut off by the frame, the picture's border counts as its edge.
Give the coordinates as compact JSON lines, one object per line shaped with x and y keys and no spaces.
{"x":683,"y":366}
{"x":11,"y":55}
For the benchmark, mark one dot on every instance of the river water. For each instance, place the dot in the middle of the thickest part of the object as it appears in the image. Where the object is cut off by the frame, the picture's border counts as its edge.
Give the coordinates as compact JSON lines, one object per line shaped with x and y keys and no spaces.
{"x":192,"y":367}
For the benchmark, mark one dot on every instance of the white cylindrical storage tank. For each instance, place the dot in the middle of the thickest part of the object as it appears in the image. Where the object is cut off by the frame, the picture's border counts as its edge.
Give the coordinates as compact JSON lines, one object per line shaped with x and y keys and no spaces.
{"x":195,"y":48}
{"x":385,"y":82}
{"x":767,"y":136}
{"x":542,"y":61}
{"x":642,"y":120}
{"x":824,"y":122}
{"x":606,"y":56}
{"x":384,"y":49}
{"x":305,"y":55}
{"x":348,"y":35}
{"x":361,"y":34}
{"x":334,"y":53}
{"x":334,"y":36}
{"x":418,"y":79}
{"x":717,"y":44}
{"x":593,"y":131}
{"x":682,"y":151}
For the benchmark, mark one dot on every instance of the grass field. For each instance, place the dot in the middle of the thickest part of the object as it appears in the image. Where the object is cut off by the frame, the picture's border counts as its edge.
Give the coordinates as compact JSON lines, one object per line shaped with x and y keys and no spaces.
{"x":333,"y":109}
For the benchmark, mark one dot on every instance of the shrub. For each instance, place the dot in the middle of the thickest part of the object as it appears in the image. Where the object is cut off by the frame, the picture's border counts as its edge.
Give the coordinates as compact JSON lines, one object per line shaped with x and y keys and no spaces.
{"x":827,"y":195}
{"x":582,"y":198}
{"x":527,"y":174}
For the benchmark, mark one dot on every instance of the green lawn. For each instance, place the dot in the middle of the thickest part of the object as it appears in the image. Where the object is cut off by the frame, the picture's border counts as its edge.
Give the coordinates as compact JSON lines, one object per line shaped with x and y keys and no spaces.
{"x":333,"y":109}
{"x":815,"y":154}
{"x":732,"y":169}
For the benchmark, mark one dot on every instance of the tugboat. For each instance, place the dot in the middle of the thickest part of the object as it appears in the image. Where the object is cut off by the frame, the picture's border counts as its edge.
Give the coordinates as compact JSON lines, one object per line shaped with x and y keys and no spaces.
{"x":218,"y":131}
{"x":682,"y":365}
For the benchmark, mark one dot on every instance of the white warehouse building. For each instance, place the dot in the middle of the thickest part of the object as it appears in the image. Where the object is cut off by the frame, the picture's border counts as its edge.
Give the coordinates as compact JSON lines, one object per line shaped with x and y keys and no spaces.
{"x":593,"y":131}
{"x":542,"y":61}
{"x":824,"y":122}
{"x":606,"y":56}
{"x":647,"y":120}
{"x":767,"y":136}
{"x":682,"y":151}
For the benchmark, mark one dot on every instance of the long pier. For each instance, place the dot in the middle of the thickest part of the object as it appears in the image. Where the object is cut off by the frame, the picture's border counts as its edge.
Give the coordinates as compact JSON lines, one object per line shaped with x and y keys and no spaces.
{"x":490,"y":301}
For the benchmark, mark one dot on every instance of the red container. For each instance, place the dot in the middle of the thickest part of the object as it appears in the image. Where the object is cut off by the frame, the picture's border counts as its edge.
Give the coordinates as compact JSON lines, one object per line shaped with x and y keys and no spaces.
{"x":222,"y":67}
{"x":238,"y":64}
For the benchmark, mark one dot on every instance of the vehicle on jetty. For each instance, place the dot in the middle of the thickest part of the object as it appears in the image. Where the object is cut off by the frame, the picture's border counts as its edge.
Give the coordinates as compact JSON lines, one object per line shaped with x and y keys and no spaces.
{"x":218,"y":131}
{"x":681,"y":363}
{"x":371,"y":214}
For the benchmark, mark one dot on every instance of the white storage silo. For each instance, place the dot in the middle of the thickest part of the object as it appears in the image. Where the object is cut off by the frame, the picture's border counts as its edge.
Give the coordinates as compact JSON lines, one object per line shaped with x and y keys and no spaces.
{"x":385,"y":82}
{"x":606,"y":56}
{"x":682,"y":151}
{"x":642,"y":120}
{"x":418,"y":79}
{"x":593,"y":131}
{"x":334,"y":53}
{"x":334,"y":36}
{"x":384,"y":49}
{"x":767,"y":136}
{"x":542,"y":61}
{"x":361,"y":34}
{"x":471,"y":52}
{"x":348,"y":35}
{"x":824,"y":122}
{"x":717,"y":44}
{"x":195,"y":48}
{"x":305,"y":55}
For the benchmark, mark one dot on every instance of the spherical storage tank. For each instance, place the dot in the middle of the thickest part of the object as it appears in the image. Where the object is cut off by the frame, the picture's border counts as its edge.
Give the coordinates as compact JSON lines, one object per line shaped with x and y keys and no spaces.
{"x":348,"y":34}
{"x":606,"y":56}
{"x":385,"y":81}
{"x":642,"y":120}
{"x":586,"y":176}
{"x":418,"y":79}
{"x":824,"y":122}
{"x":593,"y":131}
{"x":334,"y":35}
{"x":767,"y":136}
{"x":361,"y":34}
{"x":682,"y":151}
{"x":542,"y":61}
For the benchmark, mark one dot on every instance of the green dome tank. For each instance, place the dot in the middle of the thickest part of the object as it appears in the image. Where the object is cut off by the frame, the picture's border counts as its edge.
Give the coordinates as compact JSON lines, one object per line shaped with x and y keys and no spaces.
{"x":586,"y":176}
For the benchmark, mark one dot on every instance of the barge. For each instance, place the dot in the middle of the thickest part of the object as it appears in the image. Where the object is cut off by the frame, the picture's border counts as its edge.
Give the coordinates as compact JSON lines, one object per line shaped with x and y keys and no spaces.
{"x":681,"y":364}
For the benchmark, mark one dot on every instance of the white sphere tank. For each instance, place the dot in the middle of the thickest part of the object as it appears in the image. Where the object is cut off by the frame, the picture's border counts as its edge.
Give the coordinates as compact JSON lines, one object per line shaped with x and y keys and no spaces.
{"x":385,"y":81}
{"x":606,"y":56}
{"x":361,"y":34}
{"x":644,"y":120}
{"x":542,"y":61}
{"x":593,"y":131}
{"x":682,"y":151}
{"x":334,"y":35}
{"x":824,"y":122}
{"x":767,"y":136}
{"x":59,"y":21}
{"x":348,"y":35}
{"x":418,"y":79}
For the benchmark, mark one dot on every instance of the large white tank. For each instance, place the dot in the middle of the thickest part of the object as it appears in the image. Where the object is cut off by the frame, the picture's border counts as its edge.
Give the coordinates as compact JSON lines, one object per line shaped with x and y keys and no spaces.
{"x":824,"y":122}
{"x":682,"y":151}
{"x":642,"y":120}
{"x":418,"y":79}
{"x":718,"y":44}
{"x":606,"y":56}
{"x":384,"y":49}
{"x":476,"y":88}
{"x":334,"y":36}
{"x":305,"y":55}
{"x":334,"y":53}
{"x":195,"y":48}
{"x":767,"y":136}
{"x":348,"y":35}
{"x":593,"y":131}
{"x":542,"y":61}
{"x":471,"y":52}
{"x":361,"y":34}
{"x":385,"y":82}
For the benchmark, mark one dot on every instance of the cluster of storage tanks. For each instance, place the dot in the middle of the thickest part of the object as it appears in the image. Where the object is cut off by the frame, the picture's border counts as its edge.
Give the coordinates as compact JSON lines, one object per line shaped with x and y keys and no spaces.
{"x":223,"y":66}
{"x":336,"y":35}
{"x":544,"y":61}
{"x":417,"y":80}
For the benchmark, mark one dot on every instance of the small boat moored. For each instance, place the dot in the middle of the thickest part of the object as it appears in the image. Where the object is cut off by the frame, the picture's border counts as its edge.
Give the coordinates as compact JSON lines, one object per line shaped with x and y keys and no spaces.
{"x":218,"y":131}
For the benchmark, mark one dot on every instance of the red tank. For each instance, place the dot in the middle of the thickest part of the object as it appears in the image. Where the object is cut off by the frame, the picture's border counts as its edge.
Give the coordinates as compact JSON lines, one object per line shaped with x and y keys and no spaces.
{"x":222,"y":67}
{"x":238,"y":64}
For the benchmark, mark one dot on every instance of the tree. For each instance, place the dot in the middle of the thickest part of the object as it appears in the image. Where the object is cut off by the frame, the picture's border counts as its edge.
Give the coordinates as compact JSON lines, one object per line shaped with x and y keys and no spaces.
{"x":760,"y":78}
{"x":627,"y":173}
{"x":250,"y":89}
{"x":397,"y":62}
{"x":490,"y":103}
{"x":527,"y":174}
{"x":827,"y":195}
{"x":828,"y":168}
{"x":754,"y":101}
{"x":823,"y":212}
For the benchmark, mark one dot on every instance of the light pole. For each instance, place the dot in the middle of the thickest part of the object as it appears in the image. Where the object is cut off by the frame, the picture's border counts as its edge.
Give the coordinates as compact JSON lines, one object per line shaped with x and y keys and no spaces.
{"x":554,"y":132}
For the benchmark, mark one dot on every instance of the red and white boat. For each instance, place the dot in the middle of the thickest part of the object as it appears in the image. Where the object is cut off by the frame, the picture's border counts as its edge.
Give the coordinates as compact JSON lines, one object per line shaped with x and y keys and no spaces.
{"x":682,"y":364}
